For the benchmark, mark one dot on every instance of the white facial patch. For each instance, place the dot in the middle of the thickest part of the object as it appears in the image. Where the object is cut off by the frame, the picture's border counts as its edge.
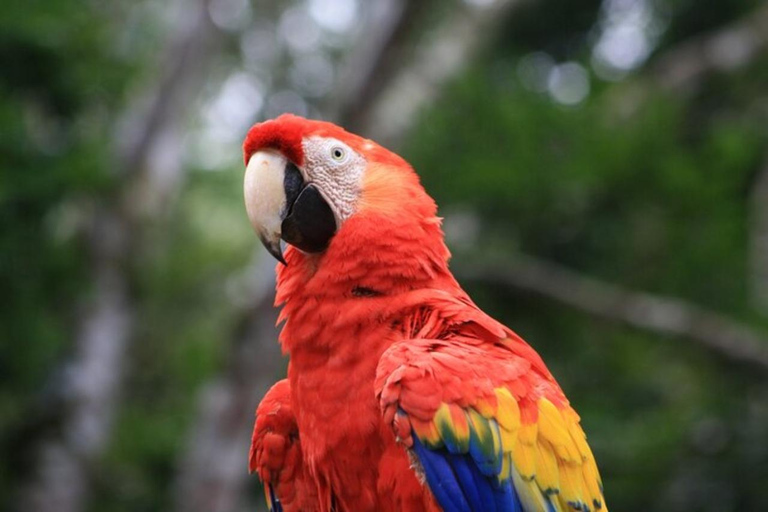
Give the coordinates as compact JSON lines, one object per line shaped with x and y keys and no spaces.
{"x":338,"y":172}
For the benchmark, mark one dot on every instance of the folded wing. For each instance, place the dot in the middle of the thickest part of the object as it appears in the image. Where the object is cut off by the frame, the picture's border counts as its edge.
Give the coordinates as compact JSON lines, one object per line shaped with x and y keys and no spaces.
{"x":487,"y":426}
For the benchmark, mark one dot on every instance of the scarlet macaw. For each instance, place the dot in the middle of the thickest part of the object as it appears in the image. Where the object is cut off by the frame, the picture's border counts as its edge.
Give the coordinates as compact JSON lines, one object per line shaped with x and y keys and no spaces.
{"x":402,"y":395}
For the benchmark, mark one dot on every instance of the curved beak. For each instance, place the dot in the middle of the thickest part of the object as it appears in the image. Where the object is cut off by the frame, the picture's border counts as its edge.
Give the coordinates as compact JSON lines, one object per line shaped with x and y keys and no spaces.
{"x":281,"y":206}
{"x":265,"y":198}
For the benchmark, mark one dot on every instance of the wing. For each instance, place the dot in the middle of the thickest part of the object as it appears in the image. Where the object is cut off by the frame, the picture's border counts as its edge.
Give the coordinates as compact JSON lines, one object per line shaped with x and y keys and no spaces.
{"x":487,"y":426}
{"x":276,"y":454}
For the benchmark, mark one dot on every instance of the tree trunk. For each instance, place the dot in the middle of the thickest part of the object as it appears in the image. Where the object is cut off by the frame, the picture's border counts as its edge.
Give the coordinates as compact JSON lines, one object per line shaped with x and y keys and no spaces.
{"x":392,"y":110}
{"x":214,"y":468}
{"x":759,"y":241}
{"x":92,"y":382}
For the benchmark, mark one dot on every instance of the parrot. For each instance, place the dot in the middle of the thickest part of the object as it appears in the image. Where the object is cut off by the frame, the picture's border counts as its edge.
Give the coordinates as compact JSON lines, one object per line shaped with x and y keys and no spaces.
{"x":401,"y":394}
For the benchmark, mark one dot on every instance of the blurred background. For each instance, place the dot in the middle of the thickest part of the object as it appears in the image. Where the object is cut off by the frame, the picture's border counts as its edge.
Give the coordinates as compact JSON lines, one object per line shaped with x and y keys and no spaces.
{"x":602,"y":167}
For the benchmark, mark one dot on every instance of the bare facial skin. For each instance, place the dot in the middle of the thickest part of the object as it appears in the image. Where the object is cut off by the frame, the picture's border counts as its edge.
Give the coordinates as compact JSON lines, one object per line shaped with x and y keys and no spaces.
{"x":338,"y":172}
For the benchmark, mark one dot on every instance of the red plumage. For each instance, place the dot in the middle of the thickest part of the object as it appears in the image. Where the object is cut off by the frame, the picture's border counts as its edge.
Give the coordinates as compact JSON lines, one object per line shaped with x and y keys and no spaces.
{"x":276,"y":451}
{"x":379,"y":335}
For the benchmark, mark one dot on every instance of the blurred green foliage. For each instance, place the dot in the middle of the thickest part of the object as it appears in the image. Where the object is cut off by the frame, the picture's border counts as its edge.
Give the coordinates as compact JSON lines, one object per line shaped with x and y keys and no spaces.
{"x":597,"y":191}
{"x":58,"y":87}
{"x":654,"y":200}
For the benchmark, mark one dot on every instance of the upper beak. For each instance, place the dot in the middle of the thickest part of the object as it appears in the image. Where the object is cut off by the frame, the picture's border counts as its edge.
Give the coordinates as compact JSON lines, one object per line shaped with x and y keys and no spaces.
{"x":281,"y":205}
{"x":265,"y":198}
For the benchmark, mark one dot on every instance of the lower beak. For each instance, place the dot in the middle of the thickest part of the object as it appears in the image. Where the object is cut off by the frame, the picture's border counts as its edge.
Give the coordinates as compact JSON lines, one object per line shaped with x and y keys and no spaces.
{"x":281,"y":206}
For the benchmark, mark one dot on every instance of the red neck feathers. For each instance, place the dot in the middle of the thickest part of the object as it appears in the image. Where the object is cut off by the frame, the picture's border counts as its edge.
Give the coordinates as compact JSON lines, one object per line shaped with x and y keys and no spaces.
{"x":393,"y":244}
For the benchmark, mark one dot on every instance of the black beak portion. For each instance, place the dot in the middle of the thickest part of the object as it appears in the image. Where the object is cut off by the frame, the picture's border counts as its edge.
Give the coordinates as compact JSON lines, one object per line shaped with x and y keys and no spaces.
{"x":310,"y":223}
{"x":293,"y":183}
{"x":274,"y":248}
{"x":303,"y":218}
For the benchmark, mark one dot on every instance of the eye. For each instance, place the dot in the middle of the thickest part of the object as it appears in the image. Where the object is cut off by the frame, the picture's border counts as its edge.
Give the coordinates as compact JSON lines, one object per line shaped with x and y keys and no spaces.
{"x":338,"y":153}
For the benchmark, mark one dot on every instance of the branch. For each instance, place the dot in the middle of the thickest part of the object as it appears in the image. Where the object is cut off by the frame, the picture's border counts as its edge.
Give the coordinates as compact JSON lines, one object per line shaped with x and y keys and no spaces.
{"x":389,"y":113}
{"x":375,"y":60}
{"x":732,"y":47}
{"x":682,"y":69}
{"x":658,"y":314}
{"x":94,"y":377}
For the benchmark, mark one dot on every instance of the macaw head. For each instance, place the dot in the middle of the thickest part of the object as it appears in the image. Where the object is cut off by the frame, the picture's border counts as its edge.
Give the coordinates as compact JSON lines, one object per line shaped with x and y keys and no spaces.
{"x":306,"y":179}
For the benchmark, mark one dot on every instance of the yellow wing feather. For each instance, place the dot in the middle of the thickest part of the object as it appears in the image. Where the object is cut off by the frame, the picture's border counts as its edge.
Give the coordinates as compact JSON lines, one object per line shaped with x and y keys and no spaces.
{"x":552,"y":465}
{"x":546,"y":456}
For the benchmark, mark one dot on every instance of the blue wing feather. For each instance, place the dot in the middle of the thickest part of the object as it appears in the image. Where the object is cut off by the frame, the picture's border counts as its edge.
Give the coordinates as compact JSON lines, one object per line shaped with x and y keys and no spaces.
{"x":274,"y":502}
{"x":459,"y":485}
{"x":465,"y":475}
{"x":487,"y":456}
{"x":441,"y":479}
{"x":507,"y":499}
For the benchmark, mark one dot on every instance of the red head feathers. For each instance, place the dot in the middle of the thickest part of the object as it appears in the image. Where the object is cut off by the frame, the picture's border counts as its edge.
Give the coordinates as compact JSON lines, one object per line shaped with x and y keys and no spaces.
{"x":333,"y":194}
{"x":286,"y":133}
